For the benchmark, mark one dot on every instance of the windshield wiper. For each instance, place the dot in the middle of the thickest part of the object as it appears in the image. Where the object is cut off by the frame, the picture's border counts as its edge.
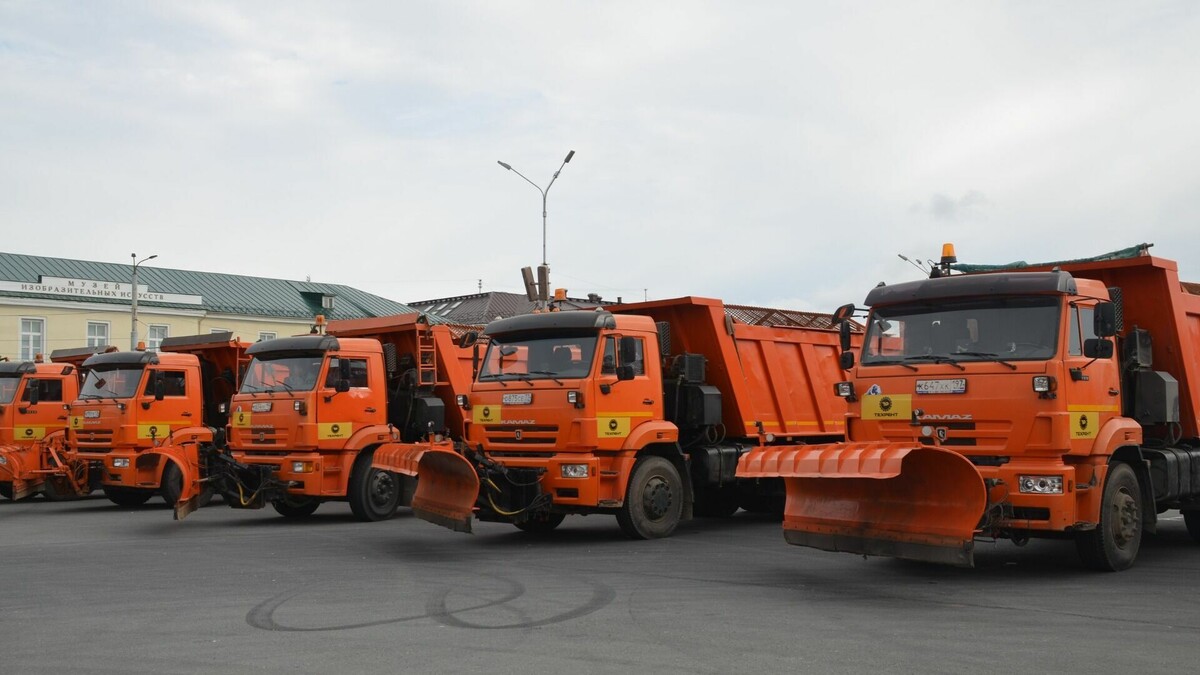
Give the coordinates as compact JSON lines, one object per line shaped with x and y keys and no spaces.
{"x":494,"y":376}
{"x":989,"y":356}
{"x":524,"y":377}
{"x":547,"y":373}
{"x":890,"y":362}
{"x":936,"y":358}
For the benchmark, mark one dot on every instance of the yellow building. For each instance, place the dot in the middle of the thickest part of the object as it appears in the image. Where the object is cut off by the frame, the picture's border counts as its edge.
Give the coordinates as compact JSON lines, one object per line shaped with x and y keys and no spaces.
{"x":55,"y":303}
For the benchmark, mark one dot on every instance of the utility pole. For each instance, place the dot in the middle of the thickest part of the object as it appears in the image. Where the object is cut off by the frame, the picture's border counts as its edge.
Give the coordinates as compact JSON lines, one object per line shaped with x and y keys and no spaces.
{"x":133,"y":329}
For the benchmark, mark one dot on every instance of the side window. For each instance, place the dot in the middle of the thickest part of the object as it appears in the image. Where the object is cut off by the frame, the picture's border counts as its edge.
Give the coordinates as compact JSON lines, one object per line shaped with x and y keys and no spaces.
{"x":1082,"y":329}
{"x":358,"y":372}
{"x":48,"y":390}
{"x":174,"y":383}
{"x":608,"y":364}
{"x":639,"y":361}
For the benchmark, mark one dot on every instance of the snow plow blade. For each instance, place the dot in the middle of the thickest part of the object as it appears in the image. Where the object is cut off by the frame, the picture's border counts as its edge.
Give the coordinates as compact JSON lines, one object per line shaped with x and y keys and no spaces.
{"x":447,"y":484}
{"x":884,"y":499}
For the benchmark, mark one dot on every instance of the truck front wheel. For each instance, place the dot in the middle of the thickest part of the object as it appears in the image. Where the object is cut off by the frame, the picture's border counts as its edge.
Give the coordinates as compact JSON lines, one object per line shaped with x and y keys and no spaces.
{"x":127,"y":496}
{"x":653,"y":501}
{"x":296,"y":507}
{"x":1113,"y":545}
{"x":374,"y":494}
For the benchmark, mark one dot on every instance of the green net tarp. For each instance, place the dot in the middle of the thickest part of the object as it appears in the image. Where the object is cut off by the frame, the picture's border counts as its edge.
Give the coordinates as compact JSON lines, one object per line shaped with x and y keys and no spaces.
{"x":1131,"y":252}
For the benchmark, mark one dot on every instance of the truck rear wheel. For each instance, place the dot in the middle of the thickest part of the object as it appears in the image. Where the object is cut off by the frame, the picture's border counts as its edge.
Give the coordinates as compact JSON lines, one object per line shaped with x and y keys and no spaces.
{"x":653,"y":501}
{"x":374,"y":494}
{"x":296,"y":507}
{"x":541,"y":524}
{"x":1113,"y":545}
{"x":125,"y":496}
{"x":6,"y":490}
{"x":1192,"y":520}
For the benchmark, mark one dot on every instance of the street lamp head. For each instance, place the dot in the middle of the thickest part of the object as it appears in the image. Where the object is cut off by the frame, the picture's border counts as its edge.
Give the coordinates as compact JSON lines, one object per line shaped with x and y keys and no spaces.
{"x":569,"y":156}
{"x":504,"y":165}
{"x":152,"y":257}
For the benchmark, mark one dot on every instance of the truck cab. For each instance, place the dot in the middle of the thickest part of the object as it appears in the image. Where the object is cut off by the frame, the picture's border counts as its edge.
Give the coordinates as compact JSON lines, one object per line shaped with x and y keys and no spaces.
{"x":128,"y":404}
{"x":564,"y":401}
{"x":32,"y":395}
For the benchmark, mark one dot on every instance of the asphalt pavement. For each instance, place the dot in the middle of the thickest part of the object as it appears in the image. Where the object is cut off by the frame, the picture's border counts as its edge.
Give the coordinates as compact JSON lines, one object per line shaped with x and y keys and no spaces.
{"x":89,"y":587}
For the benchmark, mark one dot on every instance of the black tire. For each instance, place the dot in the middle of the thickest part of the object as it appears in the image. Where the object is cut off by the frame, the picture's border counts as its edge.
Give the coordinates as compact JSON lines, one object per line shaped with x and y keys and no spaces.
{"x":58,"y":490}
{"x":126,"y":496}
{"x":716,"y":501}
{"x":171,"y":485}
{"x":653,"y":500}
{"x":1113,"y":545}
{"x":1192,"y":520}
{"x":296,"y":507}
{"x":542,"y":523}
{"x":6,"y":490}
{"x":373,"y":494}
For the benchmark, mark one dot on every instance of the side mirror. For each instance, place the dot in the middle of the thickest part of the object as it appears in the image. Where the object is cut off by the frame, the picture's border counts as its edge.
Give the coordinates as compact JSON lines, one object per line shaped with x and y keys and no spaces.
{"x":470,"y":338}
{"x":846,"y":360}
{"x":343,"y":383}
{"x":629,"y":349}
{"x":474,"y":360}
{"x":1105,"y":320}
{"x":843,"y":313}
{"x":624,"y":373}
{"x":160,"y":387}
{"x":844,"y":334}
{"x":35,"y":392}
{"x":1098,"y":348}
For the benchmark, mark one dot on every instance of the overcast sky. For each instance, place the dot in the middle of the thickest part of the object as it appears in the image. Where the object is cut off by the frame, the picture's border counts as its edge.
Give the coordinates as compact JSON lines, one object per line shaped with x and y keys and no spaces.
{"x":778,"y":154}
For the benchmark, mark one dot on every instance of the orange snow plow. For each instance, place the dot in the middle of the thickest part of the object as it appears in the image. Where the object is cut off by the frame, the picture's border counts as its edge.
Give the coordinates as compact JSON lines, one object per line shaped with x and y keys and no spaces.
{"x":448,"y":484}
{"x":877,"y":498}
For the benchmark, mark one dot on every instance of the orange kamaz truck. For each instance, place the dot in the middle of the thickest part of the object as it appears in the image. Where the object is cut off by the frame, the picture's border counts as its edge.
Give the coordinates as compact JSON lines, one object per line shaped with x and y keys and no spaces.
{"x":1054,"y":400}
{"x":33,"y":424}
{"x":143,"y":417}
{"x":638,"y":411}
{"x":313,"y":409}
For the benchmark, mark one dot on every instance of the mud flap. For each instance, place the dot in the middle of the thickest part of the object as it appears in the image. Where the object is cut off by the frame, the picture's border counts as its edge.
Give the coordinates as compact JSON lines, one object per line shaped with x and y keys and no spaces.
{"x":152,"y":464}
{"x":885,"y":499}
{"x":447,"y":484}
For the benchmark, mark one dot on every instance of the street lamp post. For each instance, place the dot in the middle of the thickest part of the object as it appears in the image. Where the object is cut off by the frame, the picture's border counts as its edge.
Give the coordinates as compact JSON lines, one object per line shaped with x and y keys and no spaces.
{"x":133,"y":329}
{"x":544,"y":193}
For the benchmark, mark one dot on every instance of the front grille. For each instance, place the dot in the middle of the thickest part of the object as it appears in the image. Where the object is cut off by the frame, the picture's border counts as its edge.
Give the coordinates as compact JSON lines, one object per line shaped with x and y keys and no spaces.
{"x":520,"y":453}
{"x":262,"y":437}
{"x":95,"y":437}
{"x":546,"y":434}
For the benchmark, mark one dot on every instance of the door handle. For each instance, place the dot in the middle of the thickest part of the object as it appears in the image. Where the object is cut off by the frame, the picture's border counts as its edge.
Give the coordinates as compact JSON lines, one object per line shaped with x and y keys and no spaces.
{"x":647,"y":401}
{"x":370,"y":410}
{"x":1112,"y":391}
{"x":186,"y":414}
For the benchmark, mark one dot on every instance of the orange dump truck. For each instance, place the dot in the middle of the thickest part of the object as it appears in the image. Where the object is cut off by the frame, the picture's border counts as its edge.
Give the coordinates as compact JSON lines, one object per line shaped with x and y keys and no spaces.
{"x":143,"y":417}
{"x":313,"y":409}
{"x":640,"y":411}
{"x":1045,"y":401}
{"x":33,"y":426}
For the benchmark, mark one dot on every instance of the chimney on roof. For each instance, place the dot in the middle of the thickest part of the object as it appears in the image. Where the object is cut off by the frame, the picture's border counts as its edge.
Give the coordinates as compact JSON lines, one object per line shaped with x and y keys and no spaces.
{"x":594,"y":297}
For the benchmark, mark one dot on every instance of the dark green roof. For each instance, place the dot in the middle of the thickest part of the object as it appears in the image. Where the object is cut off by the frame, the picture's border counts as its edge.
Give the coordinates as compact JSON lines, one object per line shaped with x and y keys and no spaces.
{"x":222,"y":293}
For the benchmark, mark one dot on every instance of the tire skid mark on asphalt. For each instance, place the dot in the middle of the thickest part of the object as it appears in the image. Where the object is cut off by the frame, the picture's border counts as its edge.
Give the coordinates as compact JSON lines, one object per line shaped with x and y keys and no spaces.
{"x":262,"y":616}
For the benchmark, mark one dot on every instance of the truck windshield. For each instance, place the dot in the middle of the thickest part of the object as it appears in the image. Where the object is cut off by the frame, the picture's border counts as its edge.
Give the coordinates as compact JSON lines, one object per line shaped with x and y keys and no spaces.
{"x":956,"y":330}
{"x":111,"y":382}
{"x":538,"y":357}
{"x":8,"y":387}
{"x":283,"y":372}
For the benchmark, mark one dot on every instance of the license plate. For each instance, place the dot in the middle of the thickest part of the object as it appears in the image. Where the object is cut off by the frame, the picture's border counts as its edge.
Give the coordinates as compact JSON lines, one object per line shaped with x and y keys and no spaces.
{"x":91,"y":414}
{"x":518,"y":399}
{"x":261,"y":406}
{"x":955,"y":386}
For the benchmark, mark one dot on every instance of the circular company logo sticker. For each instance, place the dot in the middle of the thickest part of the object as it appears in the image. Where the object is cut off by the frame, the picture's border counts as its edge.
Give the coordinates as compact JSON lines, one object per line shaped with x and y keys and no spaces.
{"x":335,"y":428}
{"x":885,"y":403}
{"x":487,"y":412}
{"x":612,"y":424}
{"x":153,"y":431}
{"x":1083,"y":421}
{"x":241,"y":418}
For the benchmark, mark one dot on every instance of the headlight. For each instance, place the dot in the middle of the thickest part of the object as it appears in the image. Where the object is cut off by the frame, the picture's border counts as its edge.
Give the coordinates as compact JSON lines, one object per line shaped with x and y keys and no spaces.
{"x":300,"y":407}
{"x":575,"y":398}
{"x":120,"y":462}
{"x":3,"y":459}
{"x":1044,"y":383}
{"x":844,"y":389}
{"x":574,"y":470}
{"x":462,"y":401}
{"x":222,"y":408}
{"x":1041,"y":485}
{"x":302,"y":467}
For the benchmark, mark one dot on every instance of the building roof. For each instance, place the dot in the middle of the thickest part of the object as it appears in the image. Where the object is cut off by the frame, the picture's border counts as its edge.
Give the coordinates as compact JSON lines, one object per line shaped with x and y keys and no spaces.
{"x":478,"y":309}
{"x":185,"y":289}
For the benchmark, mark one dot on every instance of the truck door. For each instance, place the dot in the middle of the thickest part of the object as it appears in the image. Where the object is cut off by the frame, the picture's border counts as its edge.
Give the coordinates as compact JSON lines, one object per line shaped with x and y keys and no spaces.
{"x":628,"y":403}
{"x":1092,"y":389}
{"x":179,"y":407}
{"x":341,"y":414}
{"x":34,"y":420}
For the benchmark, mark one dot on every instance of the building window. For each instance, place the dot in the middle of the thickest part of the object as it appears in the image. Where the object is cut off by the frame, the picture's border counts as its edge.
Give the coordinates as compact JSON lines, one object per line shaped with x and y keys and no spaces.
{"x":155,"y":334}
{"x":327,"y":301}
{"x":265,"y":335}
{"x":97,"y":333}
{"x":33,"y":338}
{"x":219,"y":330}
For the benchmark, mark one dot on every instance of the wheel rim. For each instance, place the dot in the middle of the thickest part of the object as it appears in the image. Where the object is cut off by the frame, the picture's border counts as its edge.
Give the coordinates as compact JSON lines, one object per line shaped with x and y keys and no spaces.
{"x":656,"y":498}
{"x":381,"y":489}
{"x":1126,"y":521}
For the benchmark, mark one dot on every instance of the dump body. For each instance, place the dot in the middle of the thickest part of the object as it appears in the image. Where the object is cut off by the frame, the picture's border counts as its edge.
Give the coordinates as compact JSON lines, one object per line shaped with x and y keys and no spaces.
{"x":314,"y":409}
{"x":1001,"y":369}
{"x":140,"y":414}
{"x":640,"y":412}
